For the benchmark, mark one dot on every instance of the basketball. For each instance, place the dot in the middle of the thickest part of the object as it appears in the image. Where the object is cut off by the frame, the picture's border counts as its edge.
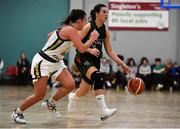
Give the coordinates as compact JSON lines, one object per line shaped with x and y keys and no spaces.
{"x":136,"y":86}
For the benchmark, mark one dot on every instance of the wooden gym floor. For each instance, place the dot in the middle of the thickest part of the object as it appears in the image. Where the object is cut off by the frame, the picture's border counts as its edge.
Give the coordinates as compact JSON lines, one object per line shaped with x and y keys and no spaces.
{"x":153,"y":109}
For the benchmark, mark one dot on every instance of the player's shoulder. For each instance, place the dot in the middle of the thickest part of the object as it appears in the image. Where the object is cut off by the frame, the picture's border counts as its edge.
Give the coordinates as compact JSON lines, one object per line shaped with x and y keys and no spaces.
{"x":69,"y":28}
{"x":66,"y":27}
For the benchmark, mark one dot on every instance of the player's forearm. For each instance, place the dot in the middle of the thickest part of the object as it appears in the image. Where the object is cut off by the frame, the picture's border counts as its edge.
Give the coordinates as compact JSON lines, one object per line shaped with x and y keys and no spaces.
{"x":85,"y":46}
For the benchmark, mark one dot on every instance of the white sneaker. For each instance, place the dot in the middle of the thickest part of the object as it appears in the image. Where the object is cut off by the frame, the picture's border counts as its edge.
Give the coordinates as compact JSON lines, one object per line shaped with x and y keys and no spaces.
{"x":159,"y":87}
{"x":18,"y":117}
{"x":107,"y":113}
{"x":72,"y":102}
{"x":52,"y":108}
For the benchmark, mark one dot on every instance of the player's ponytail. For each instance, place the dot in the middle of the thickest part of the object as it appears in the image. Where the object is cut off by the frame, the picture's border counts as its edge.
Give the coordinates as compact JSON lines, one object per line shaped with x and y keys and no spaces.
{"x":67,"y":21}
{"x":93,"y":15}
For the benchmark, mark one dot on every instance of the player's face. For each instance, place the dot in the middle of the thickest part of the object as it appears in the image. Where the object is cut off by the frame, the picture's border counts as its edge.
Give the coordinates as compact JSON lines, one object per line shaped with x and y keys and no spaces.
{"x":103,"y":14}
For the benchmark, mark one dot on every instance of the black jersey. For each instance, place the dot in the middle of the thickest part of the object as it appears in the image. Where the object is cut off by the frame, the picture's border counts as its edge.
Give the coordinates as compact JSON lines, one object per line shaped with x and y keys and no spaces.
{"x":99,"y":42}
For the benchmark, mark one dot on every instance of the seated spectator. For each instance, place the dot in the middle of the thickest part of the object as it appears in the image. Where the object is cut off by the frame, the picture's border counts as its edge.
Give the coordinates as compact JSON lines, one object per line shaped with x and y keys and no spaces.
{"x":105,"y":69}
{"x":175,"y":75}
{"x":144,"y":72}
{"x":119,"y":76}
{"x":158,"y":73}
{"x":168,"y":77}
{"x":1,"y":68}
{"x":23,"y":66}
{"x":76,"y":74}
{"x":132,"y":65}
{"x":105,"y":66}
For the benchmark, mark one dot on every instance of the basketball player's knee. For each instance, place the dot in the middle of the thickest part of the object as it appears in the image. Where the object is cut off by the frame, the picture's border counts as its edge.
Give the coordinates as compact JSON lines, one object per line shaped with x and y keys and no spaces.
{"x":40,"y":96}
{"x":97,"y":78}
{"x":71,"y":86}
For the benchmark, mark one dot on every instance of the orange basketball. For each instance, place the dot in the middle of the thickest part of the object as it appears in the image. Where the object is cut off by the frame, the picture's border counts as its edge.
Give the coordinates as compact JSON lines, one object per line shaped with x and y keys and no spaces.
{"x":136,"y":86}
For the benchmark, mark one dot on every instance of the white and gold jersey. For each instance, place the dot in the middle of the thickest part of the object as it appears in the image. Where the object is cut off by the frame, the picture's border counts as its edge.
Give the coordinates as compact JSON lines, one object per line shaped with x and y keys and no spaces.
{"x":49,"y":61}
{"x":55,"y":48}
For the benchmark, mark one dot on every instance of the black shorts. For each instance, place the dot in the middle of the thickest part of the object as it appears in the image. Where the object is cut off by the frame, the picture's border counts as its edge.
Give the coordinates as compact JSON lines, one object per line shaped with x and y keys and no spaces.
{"x":84,"y":62}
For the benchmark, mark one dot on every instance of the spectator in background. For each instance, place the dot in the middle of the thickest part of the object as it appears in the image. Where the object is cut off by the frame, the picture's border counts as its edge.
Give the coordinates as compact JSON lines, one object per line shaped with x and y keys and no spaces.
{"x":171,"y":75}
{"x":119,"y":75}
{"x":105,"y":66}
{"x":168,"y":74}
{"x":144,"y":72}
{"x":158,"y":73}
{"x":1,"y":68}
{"x":105,"y":69}
{"x":76,"y":74}
{"x":74,"y":70}
{"x":24,"y":67}
{"x":176,"y":75}
{"x":132,"y":65}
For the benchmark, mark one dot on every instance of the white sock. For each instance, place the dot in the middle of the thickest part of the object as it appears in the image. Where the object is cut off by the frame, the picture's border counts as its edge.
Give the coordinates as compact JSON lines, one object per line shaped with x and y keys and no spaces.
{"x":101,"y":102}
{"x":18,"y":110}
{"x":52,"y":101}
{"x":75,"y":95}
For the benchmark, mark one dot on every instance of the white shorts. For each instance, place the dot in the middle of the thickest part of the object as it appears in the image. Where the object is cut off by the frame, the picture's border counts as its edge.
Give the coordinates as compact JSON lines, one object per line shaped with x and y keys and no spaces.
{"x":41,"y":67}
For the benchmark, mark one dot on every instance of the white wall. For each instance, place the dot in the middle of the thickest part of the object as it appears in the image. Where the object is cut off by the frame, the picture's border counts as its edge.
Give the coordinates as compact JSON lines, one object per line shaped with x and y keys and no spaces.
{"x":178,"y":38}
{"x":136,"y":44}
{"x":175,"y":2}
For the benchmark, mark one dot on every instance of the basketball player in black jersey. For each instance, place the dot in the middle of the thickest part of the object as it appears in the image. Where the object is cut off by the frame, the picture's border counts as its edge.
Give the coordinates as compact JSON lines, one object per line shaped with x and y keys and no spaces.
{"x":88,"y":63}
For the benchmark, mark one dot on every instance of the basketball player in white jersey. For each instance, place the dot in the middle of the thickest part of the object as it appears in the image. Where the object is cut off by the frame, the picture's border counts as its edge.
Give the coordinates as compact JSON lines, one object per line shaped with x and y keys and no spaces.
{"x":49,"y":62}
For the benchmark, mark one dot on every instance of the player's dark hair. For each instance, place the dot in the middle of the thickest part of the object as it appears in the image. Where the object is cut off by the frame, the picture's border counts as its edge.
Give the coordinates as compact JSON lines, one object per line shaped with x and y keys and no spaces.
{"x":74,"y":16}
{"x":95,"y":10}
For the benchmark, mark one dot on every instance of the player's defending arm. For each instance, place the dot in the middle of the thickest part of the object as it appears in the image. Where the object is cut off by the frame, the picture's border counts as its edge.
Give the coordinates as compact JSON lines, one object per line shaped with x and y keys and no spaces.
{"x":75,"y":38}
{"x":83,"y":33}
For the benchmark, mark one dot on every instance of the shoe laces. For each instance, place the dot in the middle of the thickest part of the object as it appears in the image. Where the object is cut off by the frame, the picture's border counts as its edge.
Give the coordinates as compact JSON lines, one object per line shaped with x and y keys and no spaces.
{"x":20,"y":116}
{"x":51,"y":106}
